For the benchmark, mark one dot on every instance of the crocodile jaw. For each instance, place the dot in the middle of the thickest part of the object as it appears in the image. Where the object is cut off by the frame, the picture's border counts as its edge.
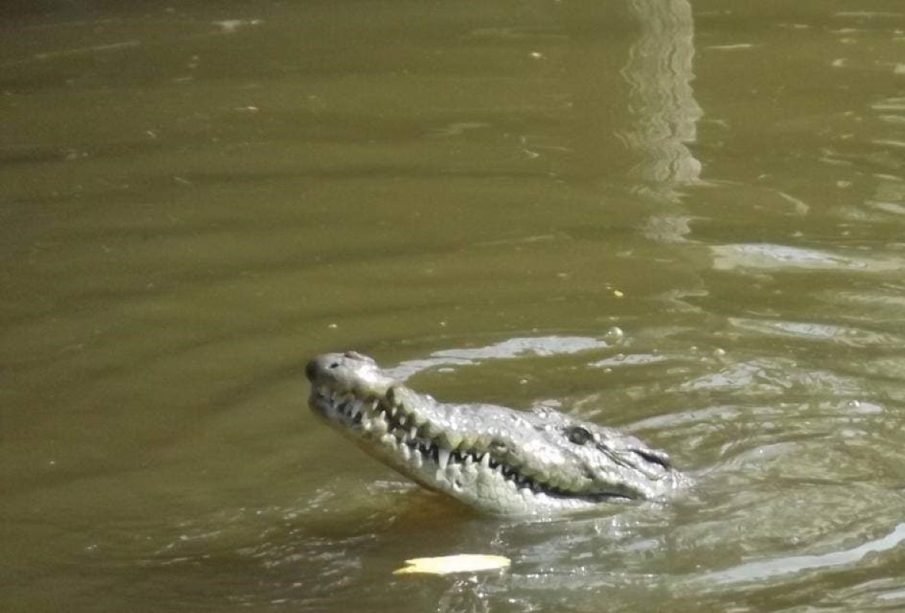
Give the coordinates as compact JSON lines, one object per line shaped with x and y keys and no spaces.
{"x":491,"y":458}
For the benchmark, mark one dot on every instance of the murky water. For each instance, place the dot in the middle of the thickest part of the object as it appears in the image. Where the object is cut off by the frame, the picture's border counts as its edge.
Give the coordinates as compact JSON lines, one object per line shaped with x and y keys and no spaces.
{"x":196,"y":198}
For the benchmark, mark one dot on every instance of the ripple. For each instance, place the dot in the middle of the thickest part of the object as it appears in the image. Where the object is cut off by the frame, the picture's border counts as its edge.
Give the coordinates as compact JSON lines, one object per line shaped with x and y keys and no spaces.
{"x":764,"y":569}
{"x":766,"y":256}
{"x":814,"y":331}
{"x":539,"y":346}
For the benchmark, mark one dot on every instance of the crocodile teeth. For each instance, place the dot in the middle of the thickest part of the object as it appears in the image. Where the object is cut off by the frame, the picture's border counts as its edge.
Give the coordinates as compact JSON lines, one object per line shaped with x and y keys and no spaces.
{"x":443,"y":458}
{"x":469,"y":468}
{"x":451,"y":440}
{"x":485,"y":460}
{"x":380,"y":425}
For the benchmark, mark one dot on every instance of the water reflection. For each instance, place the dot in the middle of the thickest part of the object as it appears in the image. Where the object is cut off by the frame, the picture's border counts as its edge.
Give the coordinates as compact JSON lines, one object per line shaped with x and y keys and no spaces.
{"x":662,"y":108}
{"x":637,"y":113}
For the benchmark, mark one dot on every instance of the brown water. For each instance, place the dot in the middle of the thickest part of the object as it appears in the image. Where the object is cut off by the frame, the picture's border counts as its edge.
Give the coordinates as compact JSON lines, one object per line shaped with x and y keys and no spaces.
{"x":197,"y":199}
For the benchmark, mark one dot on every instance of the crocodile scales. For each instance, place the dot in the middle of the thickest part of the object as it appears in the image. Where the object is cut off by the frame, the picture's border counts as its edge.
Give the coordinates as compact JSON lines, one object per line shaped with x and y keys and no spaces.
{"x":492,"y":458}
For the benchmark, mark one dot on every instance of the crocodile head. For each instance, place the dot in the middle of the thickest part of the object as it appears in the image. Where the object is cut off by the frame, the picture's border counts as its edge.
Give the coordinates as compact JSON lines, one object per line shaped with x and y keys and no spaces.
{"x":491,"y":458}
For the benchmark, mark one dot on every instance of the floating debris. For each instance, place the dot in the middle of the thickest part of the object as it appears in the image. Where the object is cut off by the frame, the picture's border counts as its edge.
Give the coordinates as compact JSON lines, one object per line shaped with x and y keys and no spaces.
{"x":228,"y":26}
{"x":461,"y":563}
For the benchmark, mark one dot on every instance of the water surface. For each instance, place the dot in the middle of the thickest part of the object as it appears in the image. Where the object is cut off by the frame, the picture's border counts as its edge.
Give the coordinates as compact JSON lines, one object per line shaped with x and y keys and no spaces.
{"x":683,"y":220}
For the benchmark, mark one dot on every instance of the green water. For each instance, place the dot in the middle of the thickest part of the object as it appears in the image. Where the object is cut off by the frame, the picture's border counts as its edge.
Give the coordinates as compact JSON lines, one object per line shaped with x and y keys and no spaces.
{"x":681,"y":219}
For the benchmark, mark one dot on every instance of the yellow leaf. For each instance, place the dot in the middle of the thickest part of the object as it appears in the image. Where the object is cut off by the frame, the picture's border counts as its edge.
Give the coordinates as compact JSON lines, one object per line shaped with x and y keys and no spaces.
{"x":462,"y":563}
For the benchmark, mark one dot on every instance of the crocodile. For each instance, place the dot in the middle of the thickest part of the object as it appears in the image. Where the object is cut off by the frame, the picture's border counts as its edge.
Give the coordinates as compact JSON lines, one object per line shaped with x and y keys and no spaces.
{"x":491,"y":458}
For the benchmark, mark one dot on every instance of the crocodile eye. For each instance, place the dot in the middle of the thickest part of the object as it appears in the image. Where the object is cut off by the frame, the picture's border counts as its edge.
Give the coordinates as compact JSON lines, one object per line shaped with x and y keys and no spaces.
{"x":578,"y":435}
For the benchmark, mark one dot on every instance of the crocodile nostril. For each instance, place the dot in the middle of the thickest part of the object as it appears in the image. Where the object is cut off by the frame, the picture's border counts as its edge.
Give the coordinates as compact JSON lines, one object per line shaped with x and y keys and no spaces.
{"x":311,"y":370}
